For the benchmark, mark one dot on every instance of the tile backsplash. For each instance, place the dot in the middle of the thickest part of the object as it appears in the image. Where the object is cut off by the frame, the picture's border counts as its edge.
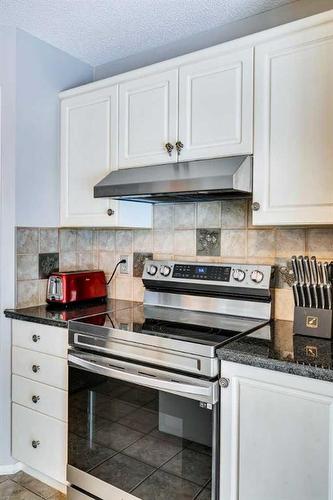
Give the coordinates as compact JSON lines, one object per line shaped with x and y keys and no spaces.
{"x":203,"y":232}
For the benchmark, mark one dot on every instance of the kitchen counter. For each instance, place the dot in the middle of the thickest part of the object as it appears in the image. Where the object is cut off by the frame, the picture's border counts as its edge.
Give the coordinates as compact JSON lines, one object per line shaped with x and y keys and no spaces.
{"x":56,"y":316}
{"x":275,"y":347}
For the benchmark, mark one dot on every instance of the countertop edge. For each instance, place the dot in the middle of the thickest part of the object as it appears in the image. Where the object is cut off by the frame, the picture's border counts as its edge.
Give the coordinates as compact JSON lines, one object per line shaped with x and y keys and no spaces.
{"x":42,"y":321}
{"x":317,"y":373}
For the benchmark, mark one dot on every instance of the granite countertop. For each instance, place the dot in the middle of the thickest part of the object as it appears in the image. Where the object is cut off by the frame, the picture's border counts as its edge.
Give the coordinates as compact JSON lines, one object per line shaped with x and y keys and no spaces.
{"x":275,"y":347}
{"x":56,"y":316}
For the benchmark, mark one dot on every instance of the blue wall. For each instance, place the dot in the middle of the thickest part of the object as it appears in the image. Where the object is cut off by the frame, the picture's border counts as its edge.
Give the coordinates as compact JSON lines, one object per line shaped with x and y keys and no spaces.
{"x":41,"y":72}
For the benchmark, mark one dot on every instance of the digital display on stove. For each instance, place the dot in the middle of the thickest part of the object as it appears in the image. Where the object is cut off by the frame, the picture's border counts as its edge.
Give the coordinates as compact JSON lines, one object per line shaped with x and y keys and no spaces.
{"x":210,"y":273}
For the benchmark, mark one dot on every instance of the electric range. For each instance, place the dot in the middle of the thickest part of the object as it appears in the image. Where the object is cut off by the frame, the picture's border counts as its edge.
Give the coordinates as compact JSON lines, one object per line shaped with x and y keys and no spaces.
{"x":143,"y":380}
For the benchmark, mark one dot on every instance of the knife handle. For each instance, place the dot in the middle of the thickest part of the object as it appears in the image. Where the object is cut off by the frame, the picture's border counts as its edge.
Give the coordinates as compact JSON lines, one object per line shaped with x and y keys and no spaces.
{"x":302,"y":301}
{"x":296,"y":296}
{"x":308,"y":293}
{"x":294,"y":268}
{"x":322,"y":296}
{"x":307,"y":270}
{"x":320,"y":273}
{"x":314,"y":270}
{"x":325,"y":273}
{"x":300,"y":269}
{"x":315,"y":296}
{"x":329,"y":295}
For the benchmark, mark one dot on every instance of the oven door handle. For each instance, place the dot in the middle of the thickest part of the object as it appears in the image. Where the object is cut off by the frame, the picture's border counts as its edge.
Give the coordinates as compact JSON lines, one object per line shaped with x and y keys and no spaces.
{"x":208,"y":392}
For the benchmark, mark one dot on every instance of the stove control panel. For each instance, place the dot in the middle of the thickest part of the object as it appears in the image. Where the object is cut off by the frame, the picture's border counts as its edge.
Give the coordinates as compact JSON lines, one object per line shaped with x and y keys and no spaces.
{"x":235,"y":275}
{"x":201,"y":272}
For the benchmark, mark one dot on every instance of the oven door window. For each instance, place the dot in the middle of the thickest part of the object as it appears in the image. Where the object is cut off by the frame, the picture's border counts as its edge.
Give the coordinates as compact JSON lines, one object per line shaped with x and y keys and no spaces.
{"x":146,"y":442}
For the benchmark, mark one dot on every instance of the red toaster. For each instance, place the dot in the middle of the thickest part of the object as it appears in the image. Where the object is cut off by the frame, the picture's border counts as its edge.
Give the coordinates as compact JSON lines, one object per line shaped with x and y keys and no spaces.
{"x":76,"y":286}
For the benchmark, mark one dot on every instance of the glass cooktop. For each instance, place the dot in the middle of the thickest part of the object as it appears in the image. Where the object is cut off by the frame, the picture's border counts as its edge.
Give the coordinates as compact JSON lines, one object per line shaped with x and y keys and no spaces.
{"x":200,"y":327}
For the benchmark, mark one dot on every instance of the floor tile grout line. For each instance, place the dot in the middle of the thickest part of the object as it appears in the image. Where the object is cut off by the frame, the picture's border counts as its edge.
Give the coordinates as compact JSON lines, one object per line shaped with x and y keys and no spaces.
{"x":172,"y":474}
{"x":157,"y":469}
{"x":30,"y":489}
{"x":202,"y":489}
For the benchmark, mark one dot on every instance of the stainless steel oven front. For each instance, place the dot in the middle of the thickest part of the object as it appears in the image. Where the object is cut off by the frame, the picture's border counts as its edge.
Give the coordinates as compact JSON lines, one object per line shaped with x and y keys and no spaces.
{"x":137,"y":432}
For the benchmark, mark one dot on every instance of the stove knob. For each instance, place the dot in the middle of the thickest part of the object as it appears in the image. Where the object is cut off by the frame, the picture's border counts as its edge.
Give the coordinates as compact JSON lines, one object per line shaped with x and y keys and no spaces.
{"x":238,"y":275}
{"x":152,"y":270}
{"x":165,"y":270}
{"x":257,"y":276}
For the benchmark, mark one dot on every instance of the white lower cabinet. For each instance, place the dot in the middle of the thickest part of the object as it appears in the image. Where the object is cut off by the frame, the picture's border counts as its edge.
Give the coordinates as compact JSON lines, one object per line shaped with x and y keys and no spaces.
{"x":40,"y":367}
{"x":276,"y":436}
{"x":41,"y":338}
{"x":39,"y":398}
{"x":40,"y":442}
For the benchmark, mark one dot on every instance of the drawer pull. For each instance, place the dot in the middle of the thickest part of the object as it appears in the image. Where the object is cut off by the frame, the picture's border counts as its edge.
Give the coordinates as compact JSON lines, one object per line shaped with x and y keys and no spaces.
{"x":35,"y":368}
{"x":35,"y":399}
{"x":35,"y":338}
{"x":35,"y":444}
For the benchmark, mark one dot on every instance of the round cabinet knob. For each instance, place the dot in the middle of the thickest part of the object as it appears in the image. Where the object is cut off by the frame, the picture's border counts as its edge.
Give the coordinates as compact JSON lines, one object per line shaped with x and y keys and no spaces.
{"x":35,"y":444}
{"x":35,"y":368}
{"x":224,"y":382}
{"x":165,"y":270}
{"x":35,"y":338}
{"x":35,"y":399}
{"x":152,"y":270}
{"x":257,"y":276}
{"x":110,"y":212}
{"x":238,"y":274}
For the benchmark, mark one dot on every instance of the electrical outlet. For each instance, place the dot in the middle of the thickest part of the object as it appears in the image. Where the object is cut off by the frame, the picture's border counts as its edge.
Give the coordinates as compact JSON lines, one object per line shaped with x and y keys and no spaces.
{"x":124,"y":267}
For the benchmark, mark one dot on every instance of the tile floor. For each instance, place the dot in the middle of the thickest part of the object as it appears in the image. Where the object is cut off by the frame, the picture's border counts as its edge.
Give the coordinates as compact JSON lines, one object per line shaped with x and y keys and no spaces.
{"x":21,"y":486}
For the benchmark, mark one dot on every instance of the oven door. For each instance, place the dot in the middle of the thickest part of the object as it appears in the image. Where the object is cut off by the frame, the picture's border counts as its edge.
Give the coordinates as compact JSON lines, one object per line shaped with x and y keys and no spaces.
{"x":136,"y":432}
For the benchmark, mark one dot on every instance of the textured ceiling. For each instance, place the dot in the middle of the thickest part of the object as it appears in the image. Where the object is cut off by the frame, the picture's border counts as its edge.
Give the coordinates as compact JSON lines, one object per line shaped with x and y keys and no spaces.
{"x":97,"y":31}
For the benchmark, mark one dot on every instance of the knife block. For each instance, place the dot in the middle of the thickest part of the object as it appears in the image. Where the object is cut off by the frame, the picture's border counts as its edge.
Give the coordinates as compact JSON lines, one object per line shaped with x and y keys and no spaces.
{"x":313,"y":322}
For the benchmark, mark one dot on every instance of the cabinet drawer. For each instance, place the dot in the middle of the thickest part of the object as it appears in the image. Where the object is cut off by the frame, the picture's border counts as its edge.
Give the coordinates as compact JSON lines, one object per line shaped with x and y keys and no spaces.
{"x":40,"y":397}
{"x":42,"y":338}
{"x":50,"y":455}
{"x":40,"y":367}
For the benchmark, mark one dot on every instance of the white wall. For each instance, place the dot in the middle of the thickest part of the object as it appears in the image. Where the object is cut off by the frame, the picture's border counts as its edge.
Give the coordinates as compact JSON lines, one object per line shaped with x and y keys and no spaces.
{"x":31,"y":75}
{"x":281,"y":15}
{"x":42,"y":71}
{"x":7,"y":219}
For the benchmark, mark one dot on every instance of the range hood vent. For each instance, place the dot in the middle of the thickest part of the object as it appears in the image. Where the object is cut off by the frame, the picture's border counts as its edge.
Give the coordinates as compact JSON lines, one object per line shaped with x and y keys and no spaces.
{"x":184,"y":181}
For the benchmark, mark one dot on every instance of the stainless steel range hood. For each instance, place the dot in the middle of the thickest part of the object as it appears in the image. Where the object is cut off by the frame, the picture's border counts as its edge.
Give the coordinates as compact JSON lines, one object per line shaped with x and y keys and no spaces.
{"x":184,"y":181}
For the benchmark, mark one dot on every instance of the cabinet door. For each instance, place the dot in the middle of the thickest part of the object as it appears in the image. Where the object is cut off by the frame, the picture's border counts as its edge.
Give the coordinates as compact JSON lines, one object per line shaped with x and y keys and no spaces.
{"x":293,"y":153}
{"x":216,"y":106}
{"x":148,"y":119}
{"x":89,"y":141}
{"x":40,"y":367}
{"x":276,"y":436}
{"x":40,"y":442}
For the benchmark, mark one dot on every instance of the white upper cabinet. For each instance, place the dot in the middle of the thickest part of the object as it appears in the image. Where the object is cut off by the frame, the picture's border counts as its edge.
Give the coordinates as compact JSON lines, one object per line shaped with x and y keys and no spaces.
{"x":216,"y":105}
{"x":148,"y":119}
{"x":89,"y":150}
{"x":293,"y":147}
{"x":88,"y":153}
